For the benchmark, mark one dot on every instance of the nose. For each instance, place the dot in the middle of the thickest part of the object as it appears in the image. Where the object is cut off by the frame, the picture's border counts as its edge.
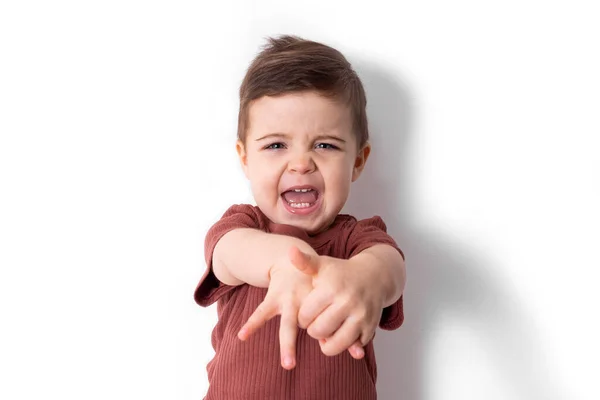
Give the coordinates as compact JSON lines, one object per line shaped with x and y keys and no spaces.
{"x":301,"y":163}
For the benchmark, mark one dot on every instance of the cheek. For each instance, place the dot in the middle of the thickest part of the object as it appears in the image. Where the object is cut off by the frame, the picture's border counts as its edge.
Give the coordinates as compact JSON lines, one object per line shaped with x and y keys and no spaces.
{"x":339,"y":175}
{"x":264,"y":178}
{"x":258,"y":166}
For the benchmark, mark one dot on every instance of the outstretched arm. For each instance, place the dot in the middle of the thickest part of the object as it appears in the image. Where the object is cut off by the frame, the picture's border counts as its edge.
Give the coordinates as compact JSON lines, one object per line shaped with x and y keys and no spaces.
{"x":246,"y":255}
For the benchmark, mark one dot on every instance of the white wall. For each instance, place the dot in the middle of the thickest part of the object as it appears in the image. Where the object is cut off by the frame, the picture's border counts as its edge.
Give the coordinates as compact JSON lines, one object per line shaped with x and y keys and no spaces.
{"x":117,"y":124}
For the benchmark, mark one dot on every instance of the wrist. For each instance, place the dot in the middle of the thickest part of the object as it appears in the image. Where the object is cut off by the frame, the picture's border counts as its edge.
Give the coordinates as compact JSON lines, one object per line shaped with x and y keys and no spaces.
{"x":374,"y":275}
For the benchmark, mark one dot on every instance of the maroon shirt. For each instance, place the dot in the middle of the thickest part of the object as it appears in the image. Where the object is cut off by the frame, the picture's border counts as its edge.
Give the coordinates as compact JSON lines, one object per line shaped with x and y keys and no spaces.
{"x":251,"y":370}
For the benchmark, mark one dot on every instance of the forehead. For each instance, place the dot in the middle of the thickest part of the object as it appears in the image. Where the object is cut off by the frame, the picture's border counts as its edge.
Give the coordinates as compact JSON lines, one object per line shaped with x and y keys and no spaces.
{"x":303,"y":113}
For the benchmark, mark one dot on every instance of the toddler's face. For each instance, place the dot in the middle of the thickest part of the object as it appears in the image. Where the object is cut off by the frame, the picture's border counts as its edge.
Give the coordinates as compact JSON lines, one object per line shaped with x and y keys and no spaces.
{"x":300,"y":156}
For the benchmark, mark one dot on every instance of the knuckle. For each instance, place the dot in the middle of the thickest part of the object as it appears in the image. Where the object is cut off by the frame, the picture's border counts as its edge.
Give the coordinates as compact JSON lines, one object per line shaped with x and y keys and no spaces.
{"x":287,"y":302}
{"x":370,"y":336}
{"x":329,"y":293}
{"x":316,"y":331}
{"x":366,"y":336}
{"x":329,"y":349}
{"x":361,"y":315}
{"x":346,"y":301}
{"x":302,"y":321}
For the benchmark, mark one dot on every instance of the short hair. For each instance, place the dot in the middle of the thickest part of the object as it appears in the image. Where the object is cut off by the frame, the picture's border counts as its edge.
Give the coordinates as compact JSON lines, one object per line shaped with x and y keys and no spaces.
{"x":289,"y":64}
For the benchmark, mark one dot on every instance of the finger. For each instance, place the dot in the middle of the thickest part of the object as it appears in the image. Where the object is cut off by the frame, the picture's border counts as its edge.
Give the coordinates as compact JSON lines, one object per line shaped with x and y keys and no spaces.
{"x":327,"y":322}
{"x":288,"y":332}
{"x":366,"y":337}
{"x":313,"y":305}
{"x":342,"y":339}
{"x":356,"y":350}
{"x":306,"y":263}
{"x":264,"y":312}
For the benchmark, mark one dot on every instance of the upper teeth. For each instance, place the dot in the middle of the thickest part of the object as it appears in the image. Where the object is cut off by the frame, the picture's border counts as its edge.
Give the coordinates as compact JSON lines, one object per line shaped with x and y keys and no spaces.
{"x":302,"y":190}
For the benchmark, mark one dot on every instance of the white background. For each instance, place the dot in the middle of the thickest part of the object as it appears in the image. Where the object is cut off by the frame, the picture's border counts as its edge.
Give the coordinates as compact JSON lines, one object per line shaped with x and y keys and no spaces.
{"x":117,"y":123}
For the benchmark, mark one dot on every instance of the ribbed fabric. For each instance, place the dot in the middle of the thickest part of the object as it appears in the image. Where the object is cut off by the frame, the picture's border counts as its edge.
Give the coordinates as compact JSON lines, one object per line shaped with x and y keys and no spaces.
{"x":251,"y":370}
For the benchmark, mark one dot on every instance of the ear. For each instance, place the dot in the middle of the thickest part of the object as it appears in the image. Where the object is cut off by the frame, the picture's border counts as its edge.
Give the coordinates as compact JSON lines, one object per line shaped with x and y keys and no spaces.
{"x":243,"y":155}
{"x":360,"y":161}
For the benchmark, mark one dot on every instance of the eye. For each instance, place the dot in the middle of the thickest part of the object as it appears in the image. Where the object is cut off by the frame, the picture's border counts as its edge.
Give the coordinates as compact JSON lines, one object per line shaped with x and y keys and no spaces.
{"x":274,"y":146}
{"x":327,"y":146}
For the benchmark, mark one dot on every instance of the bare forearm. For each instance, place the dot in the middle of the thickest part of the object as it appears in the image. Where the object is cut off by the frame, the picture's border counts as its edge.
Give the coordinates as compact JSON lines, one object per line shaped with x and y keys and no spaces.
{"x":386,"y":269}
{"x":246,"y":255}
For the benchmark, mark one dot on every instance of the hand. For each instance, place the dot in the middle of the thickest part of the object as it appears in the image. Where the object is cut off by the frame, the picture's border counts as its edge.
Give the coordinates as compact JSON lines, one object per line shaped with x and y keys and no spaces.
{"x":309,"y":264}
{"x":287,"y":288}
{"x":343,"y":309}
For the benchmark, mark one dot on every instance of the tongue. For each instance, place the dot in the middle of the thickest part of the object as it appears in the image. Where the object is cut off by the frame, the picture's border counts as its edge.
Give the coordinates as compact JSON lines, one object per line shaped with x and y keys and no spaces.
{"x":300,"y":197}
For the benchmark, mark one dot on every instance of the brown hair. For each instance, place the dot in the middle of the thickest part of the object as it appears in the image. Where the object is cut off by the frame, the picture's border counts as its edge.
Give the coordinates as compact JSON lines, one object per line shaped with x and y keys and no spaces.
{"x":291,"y":64}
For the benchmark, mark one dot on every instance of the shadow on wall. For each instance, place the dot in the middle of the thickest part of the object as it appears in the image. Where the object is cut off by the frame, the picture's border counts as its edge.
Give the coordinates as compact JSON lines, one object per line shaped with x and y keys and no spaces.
{"x":444,"y":277}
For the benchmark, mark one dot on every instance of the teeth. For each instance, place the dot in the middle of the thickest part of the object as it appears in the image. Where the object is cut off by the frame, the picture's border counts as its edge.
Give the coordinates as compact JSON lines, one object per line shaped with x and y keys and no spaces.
{"x":299,"y":205}
{"x":302,"y":190}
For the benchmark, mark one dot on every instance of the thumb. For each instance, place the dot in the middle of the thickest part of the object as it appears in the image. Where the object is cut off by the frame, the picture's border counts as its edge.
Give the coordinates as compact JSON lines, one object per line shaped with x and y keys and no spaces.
{"x":306,"y":263}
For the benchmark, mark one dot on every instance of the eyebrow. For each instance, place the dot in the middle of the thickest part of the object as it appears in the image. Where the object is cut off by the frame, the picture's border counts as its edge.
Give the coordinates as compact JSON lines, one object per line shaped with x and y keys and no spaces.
{"x":329,"y":137}
{"x":284,"y":135}
{"x":272,"y":135}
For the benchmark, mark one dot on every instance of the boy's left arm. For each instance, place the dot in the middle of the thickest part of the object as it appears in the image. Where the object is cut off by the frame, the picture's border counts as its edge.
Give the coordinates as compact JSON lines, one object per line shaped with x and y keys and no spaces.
{"x":388,"y":270}
{"x":349,"y":296}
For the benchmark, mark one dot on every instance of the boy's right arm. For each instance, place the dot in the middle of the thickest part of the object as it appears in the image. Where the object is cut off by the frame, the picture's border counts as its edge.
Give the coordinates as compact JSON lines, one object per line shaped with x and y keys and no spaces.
{"x":246,"y":255}
{"x":261,"y":259}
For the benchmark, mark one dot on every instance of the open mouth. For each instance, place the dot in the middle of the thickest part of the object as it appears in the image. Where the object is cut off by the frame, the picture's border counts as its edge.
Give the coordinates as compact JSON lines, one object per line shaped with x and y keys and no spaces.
{"x":301,"y":200}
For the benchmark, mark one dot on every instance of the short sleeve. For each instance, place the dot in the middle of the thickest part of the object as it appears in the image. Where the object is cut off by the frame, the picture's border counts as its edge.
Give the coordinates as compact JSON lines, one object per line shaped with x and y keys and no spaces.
{"x":210,"y":289}
{"x":367,"y":233}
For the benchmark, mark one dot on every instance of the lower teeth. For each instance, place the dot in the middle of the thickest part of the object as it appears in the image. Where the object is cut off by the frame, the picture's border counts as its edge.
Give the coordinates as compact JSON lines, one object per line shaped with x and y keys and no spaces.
{"x":300,"y":205}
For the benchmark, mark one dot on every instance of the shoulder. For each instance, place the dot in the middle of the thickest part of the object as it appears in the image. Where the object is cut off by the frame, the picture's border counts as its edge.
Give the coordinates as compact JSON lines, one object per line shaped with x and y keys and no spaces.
{"x":242,"y":216}
{"x":245,"y":209}
{"x":357,"y":235}
{"x":349,"y":223}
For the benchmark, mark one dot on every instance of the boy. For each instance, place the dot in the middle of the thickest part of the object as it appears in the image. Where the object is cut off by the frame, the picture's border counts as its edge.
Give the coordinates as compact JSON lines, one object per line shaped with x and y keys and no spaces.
{"x":294,"y":261}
